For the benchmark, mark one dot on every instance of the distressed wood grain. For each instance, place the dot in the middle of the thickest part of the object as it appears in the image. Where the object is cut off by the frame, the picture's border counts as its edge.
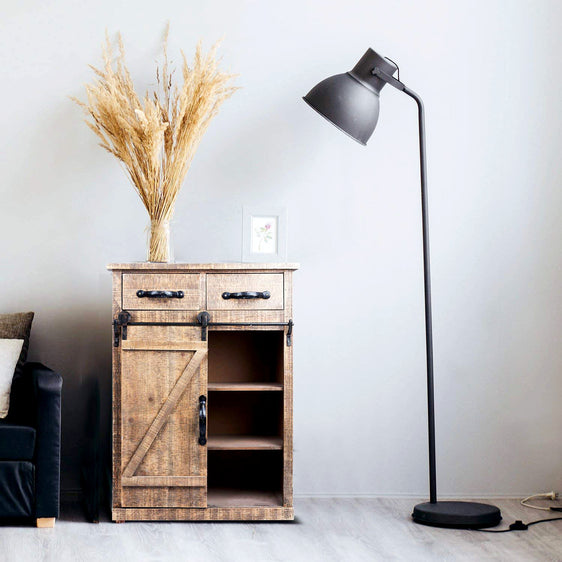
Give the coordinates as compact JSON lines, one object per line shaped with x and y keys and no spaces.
{"x":160,"y":471}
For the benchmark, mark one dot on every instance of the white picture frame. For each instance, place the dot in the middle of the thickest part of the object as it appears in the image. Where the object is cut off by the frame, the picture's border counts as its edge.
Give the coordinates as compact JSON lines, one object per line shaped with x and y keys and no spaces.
{"x":264,"y":234}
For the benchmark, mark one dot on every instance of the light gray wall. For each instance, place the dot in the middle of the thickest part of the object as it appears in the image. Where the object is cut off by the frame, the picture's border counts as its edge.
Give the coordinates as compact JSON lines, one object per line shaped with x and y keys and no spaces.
{"x":490,"y":75}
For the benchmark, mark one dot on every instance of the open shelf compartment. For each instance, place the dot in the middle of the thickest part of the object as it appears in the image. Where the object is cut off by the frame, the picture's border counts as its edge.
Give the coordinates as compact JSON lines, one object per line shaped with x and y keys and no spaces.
{"x":245,"y":418}
{"x":245,"y":479}
{"x":245,"y":415}
{"x":248,"y":357}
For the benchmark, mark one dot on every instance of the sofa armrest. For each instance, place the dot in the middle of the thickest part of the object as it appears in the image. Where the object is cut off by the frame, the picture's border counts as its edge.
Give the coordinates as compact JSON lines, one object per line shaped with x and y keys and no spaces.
{"x":47,"y":386}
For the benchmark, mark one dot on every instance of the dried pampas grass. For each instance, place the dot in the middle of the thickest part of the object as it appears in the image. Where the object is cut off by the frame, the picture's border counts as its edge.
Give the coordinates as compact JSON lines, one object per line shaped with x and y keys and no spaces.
{"x":156,"y":136}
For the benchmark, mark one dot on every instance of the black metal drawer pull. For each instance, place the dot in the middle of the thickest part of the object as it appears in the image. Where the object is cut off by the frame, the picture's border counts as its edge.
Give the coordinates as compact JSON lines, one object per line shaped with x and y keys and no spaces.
{"x":160,"y":294}
{"x":247,"y":295}
{"x":202,"y":420}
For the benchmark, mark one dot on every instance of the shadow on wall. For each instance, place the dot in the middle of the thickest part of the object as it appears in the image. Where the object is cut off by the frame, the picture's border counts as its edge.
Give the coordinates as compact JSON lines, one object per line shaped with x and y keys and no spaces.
{"x":78,"y":346}
{"x":95,"y":474}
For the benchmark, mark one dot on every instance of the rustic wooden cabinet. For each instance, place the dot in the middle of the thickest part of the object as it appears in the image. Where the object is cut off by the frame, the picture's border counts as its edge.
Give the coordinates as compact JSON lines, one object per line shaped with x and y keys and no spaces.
{"x":202,"y":392}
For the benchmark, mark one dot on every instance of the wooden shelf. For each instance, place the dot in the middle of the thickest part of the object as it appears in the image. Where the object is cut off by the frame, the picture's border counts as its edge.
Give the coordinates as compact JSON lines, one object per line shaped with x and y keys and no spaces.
{"x":245,"y":386}
{"x":244,"y":443}
{"x":233,"y":497}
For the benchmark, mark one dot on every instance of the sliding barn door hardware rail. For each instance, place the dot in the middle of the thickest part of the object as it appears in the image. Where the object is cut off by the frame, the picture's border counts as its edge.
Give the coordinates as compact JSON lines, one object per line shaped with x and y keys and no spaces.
{"x":120,"y":327}
{"x":203,"y":319}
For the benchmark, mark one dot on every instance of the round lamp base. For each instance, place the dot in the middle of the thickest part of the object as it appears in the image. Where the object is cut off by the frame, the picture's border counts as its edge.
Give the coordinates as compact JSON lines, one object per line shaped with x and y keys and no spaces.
{"x":457,"y":515}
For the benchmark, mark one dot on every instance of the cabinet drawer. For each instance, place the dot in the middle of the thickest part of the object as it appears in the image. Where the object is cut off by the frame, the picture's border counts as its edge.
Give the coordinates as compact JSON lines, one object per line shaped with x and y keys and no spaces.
{"x":191,"y":284}
{"x":218,"y":283}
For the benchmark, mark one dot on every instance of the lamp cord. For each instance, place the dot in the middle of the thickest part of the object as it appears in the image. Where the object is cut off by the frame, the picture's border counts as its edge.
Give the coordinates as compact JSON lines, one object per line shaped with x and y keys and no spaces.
{"x":518,"y":526}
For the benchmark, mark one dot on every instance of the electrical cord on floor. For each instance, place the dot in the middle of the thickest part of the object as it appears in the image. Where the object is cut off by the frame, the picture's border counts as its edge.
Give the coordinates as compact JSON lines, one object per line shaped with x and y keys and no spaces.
{"x":519,"y":525}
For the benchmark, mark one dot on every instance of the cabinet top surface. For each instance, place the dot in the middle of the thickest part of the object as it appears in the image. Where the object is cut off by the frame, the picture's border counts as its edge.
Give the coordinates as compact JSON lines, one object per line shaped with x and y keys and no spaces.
{"x":147,"y":266}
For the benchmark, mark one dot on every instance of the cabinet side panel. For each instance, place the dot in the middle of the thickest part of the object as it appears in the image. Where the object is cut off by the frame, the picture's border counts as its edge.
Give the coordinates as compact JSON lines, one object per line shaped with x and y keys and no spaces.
{"x":288,"y":294}
{"x":116,"y":391}
{"x":288,"y":399}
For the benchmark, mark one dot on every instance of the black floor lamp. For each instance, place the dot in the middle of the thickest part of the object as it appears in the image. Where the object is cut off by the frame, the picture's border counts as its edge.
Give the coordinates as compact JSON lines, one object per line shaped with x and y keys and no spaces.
{"x":350,"y":101}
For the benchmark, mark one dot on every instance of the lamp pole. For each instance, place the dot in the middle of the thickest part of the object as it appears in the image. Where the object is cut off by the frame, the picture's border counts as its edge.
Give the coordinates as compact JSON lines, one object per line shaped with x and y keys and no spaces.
{"x":426,"y":277}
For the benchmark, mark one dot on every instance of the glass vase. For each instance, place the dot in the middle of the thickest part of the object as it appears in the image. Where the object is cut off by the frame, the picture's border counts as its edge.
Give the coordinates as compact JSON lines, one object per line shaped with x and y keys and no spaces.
{"x":159,"y":246}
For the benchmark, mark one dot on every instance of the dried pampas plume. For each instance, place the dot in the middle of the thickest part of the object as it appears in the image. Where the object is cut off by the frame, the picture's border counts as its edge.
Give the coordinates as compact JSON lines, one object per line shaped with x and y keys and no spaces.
{"x":156,"y":136}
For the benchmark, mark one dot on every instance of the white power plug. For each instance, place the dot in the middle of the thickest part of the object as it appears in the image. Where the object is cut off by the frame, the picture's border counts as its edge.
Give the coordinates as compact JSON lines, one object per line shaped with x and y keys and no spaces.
{"x":544,"y":496}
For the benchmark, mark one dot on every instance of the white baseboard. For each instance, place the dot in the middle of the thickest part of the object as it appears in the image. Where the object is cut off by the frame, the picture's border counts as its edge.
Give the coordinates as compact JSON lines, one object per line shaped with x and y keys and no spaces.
{"x":410,"y":496}
{"x":76,"y":494}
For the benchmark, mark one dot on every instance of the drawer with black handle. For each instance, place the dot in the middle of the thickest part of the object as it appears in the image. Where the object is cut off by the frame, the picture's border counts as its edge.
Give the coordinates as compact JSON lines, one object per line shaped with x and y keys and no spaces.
{"x":163,"y":291}
{"x":245,"y":291}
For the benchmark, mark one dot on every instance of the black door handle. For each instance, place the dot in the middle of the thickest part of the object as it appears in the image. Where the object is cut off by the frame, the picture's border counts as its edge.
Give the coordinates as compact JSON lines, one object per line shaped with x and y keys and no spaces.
{"x":160,"y":294}
{"x":202,"y":420}
{"x":247,"y":295}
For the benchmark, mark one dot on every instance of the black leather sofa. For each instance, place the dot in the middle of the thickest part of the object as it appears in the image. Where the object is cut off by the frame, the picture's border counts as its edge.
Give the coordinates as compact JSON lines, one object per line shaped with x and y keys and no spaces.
{"x":30,"y":447}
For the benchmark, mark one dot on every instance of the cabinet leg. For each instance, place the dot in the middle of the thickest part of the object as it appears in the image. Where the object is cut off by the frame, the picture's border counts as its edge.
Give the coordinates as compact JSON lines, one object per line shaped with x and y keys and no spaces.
{"x":45,"y":522}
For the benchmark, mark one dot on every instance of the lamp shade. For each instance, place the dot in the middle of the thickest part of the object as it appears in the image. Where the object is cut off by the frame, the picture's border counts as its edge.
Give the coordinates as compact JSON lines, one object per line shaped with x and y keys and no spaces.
{"x":350,"y":101}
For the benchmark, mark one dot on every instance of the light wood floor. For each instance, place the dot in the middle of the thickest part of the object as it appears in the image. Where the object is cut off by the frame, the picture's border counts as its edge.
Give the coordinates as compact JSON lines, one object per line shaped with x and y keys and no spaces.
{"x":352,"y":530}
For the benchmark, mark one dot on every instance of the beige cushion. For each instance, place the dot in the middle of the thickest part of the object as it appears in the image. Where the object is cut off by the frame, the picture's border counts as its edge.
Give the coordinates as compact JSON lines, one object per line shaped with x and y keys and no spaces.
{"x":17,"y":326}
{"x":10,"y":350}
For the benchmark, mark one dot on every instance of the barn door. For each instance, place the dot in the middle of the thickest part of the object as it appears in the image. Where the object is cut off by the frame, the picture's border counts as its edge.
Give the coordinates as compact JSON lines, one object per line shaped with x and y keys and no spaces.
{"x":163,"y":386}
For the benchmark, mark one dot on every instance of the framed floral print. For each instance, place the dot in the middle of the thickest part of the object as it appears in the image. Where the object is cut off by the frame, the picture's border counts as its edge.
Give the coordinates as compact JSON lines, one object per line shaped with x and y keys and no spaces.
{"x":264,"y":234}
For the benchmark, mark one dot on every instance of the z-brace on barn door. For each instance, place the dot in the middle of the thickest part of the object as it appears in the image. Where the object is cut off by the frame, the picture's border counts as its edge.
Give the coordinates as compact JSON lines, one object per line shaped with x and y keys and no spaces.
{"x":163,"y":389}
